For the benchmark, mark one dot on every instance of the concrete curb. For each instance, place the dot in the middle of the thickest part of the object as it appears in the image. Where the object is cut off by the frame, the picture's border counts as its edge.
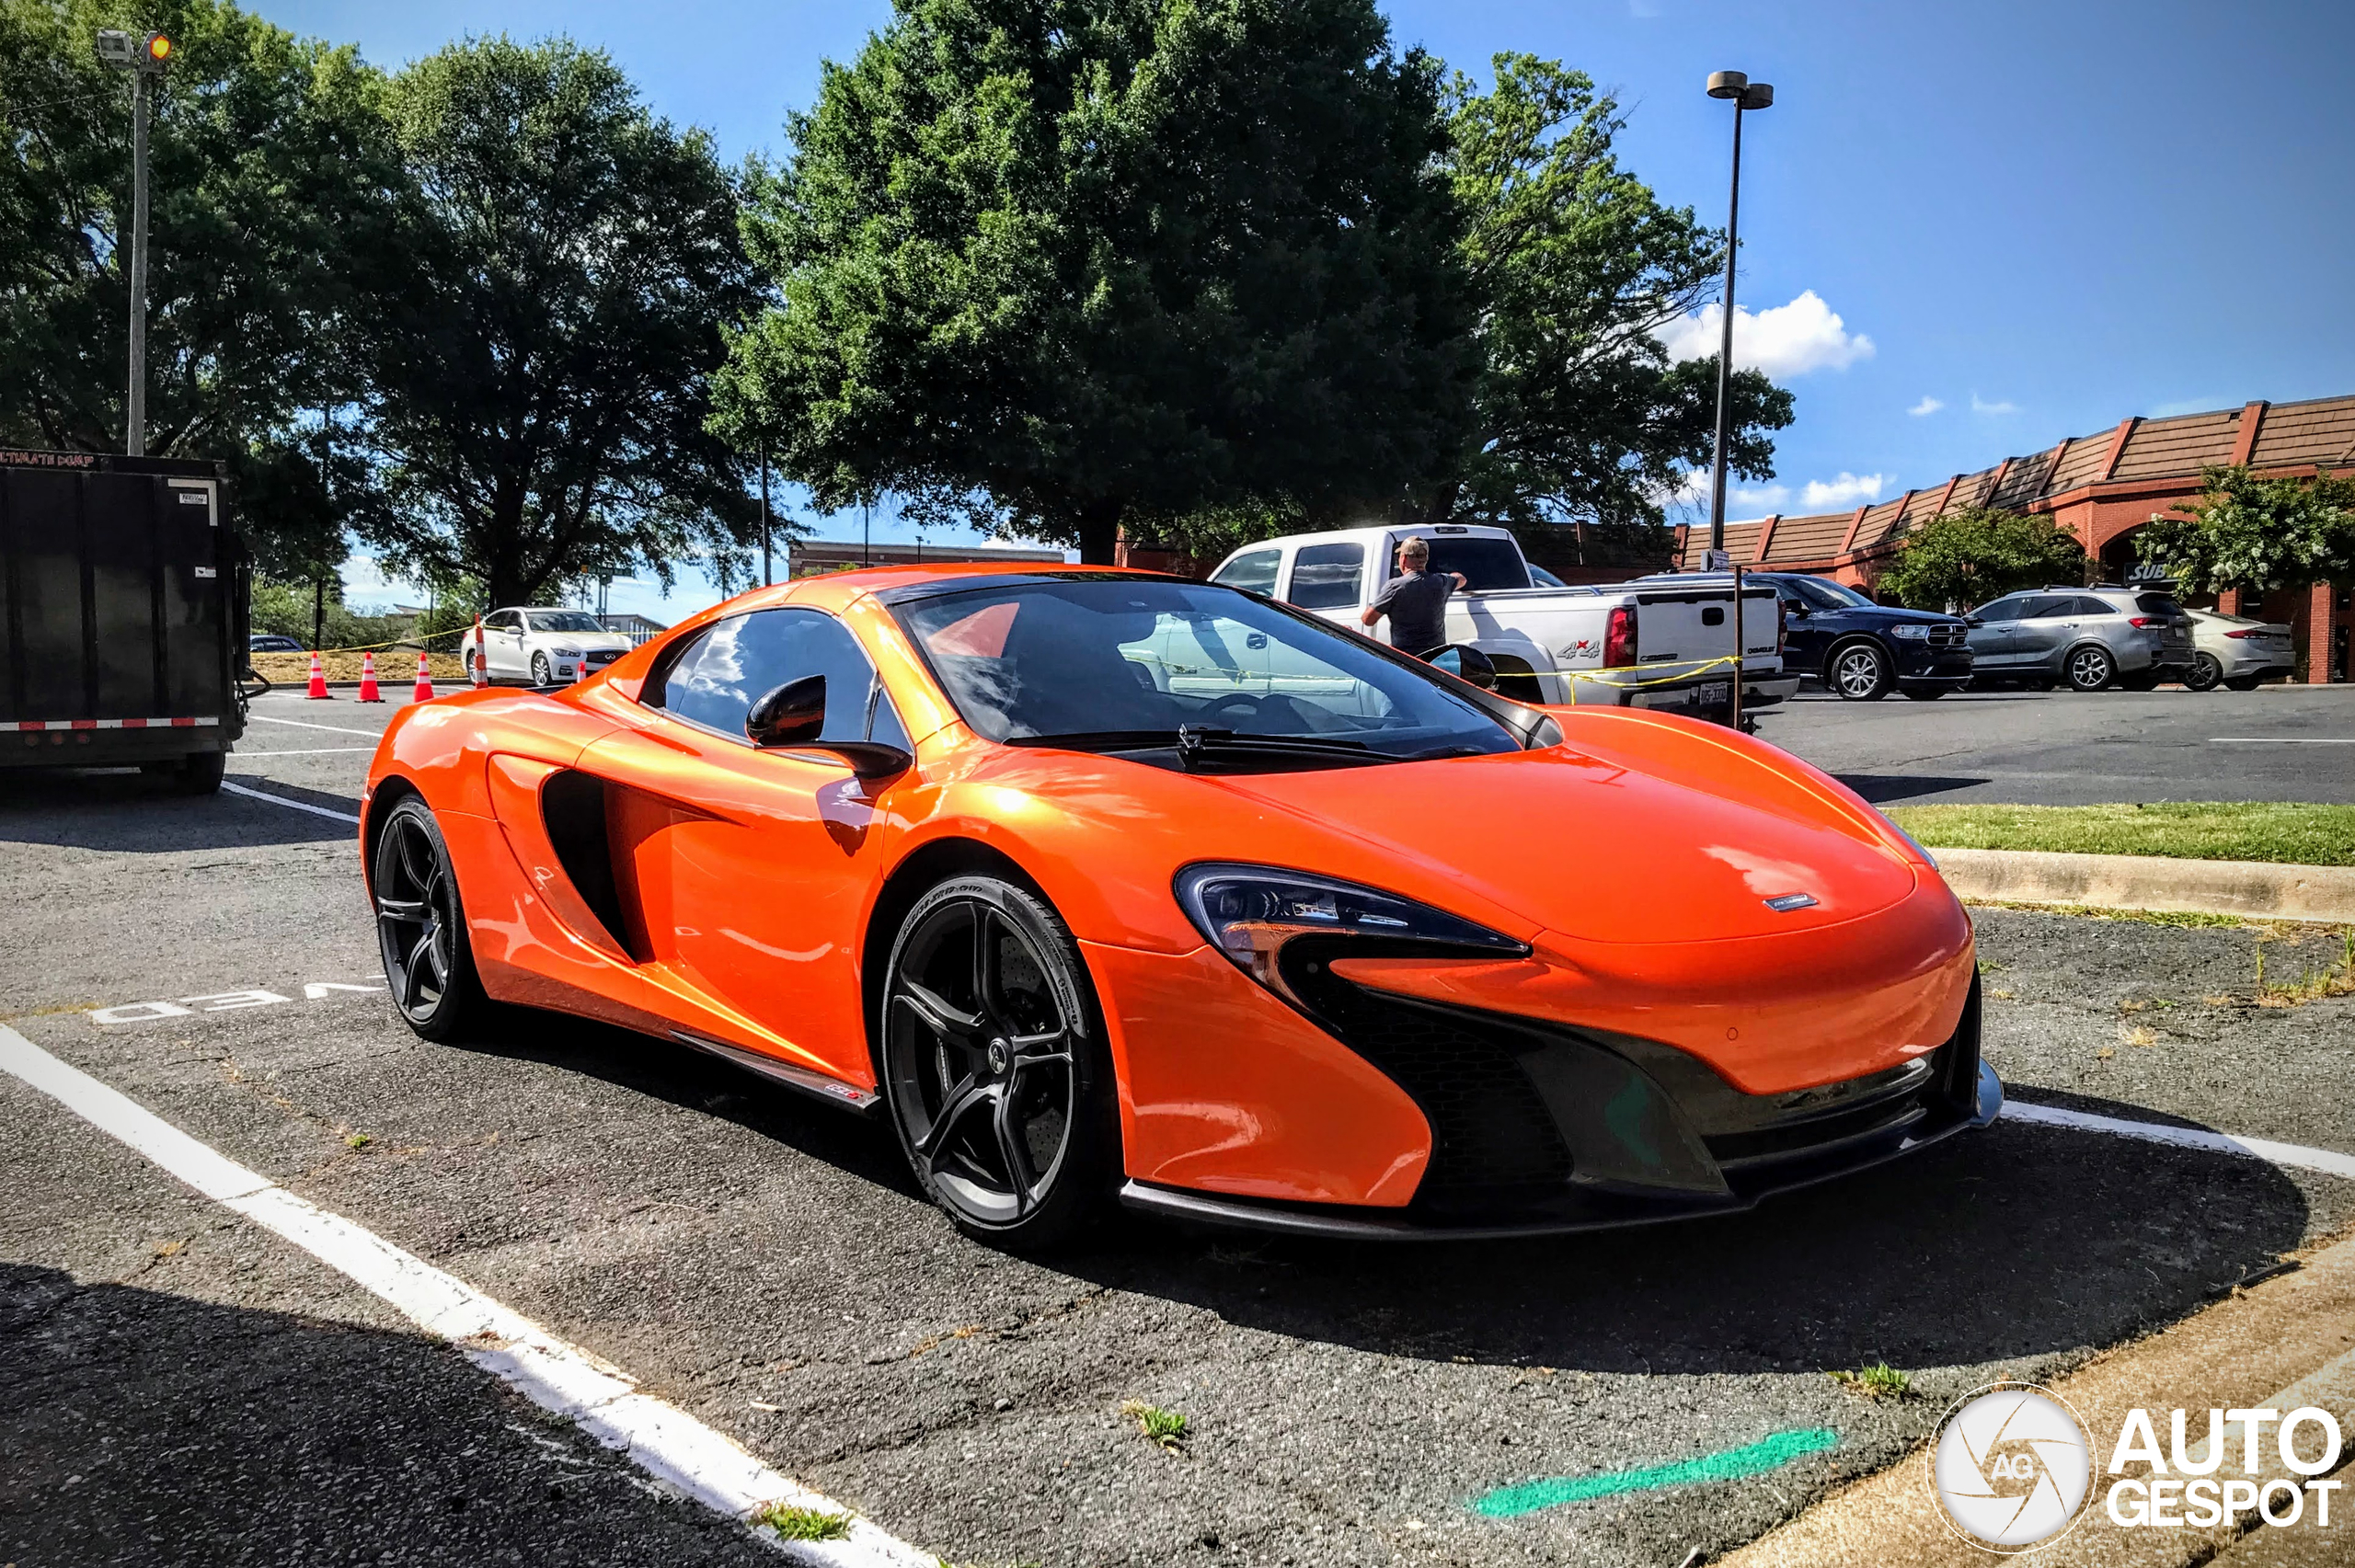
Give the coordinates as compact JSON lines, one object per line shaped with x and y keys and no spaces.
{"x":2252,"y":890}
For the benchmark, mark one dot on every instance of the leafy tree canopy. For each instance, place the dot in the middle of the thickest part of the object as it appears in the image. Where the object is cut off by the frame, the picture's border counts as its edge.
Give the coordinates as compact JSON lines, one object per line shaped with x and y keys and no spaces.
{"x":1575,"y":266}
{"x":1971,"y":555}
{"x":271,"y":196}
{"x":2255,"y":534}
{"x":538,"y":382}
{"x":1060,"y":264}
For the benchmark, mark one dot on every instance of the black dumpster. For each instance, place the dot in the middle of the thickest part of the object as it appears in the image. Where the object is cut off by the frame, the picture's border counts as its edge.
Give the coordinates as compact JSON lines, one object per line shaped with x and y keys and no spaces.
{"x":126,"y":594}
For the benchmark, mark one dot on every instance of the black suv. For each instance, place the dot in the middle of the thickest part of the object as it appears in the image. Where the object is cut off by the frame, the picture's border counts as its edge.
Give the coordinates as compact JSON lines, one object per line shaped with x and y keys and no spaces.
{"x":1862,"y":650}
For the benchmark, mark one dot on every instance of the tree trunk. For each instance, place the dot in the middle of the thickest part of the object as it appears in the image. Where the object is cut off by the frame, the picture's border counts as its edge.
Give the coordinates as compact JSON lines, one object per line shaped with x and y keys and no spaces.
{"x":1099,"y":532}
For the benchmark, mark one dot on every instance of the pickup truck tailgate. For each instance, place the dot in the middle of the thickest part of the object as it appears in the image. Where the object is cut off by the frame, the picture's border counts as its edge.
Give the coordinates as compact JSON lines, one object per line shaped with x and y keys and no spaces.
{"x":1680,"y":625}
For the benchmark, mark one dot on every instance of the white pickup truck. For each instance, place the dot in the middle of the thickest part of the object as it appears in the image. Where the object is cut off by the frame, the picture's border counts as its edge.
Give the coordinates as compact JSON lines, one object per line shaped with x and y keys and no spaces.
{"x":1619,"y":645}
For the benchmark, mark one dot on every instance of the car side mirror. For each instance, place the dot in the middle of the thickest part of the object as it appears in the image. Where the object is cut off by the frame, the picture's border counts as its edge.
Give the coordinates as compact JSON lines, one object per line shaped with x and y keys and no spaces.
{"x":1466,"y":664}
{"x":1972,"y":621}
{"x":795,"y":716}
{"x":1797,"y":611}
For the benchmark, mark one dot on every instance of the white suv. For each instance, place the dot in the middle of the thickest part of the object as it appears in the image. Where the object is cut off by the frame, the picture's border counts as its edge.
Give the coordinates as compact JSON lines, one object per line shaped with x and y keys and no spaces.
{"x":542,"y":647}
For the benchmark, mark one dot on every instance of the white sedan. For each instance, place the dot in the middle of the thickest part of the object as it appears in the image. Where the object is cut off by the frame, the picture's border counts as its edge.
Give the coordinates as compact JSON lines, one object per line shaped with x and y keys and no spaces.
{"x":542,"y":647}
{"x":2233,"y":650}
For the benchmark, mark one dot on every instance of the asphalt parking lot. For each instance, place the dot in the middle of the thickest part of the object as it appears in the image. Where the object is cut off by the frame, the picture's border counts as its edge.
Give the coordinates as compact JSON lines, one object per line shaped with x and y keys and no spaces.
{"x":2278,"y":742}
{"x":179,"y":1385}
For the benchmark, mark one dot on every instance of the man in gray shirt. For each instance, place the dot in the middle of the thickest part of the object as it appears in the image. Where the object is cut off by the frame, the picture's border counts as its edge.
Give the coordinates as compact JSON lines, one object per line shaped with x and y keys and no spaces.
{"x":1415,"y":601}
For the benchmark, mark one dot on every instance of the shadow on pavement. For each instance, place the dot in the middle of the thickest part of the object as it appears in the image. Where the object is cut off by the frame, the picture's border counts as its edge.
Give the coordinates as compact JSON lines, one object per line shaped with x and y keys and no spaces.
{"x":1879,"y":787}
{"x":136,"y":1425}
{"x":126,"y":812}
{"x":2017,"y":1242}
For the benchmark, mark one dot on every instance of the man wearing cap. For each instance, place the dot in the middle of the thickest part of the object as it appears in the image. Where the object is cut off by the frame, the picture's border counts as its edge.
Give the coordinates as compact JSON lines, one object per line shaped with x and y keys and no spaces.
{"x":1415,"y":601}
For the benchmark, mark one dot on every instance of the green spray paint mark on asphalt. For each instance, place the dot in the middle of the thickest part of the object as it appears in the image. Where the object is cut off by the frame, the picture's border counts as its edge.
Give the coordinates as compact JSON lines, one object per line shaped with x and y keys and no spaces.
{"x":1733,"y":1464}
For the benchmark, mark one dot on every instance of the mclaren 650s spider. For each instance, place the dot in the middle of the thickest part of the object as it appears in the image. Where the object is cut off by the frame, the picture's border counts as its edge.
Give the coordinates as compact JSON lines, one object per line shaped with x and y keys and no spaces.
{"x":1102,"y":886}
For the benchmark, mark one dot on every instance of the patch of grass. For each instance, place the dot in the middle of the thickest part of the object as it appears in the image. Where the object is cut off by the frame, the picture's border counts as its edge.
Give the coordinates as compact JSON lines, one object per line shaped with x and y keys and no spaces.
{"x":793,"y":1523}
{"x":2187,"y":919}
{"x":1165,"y":1428}
{"x":358,"y":1140}
{"x":2290,"y":833}
{"x":1879,"y":1380}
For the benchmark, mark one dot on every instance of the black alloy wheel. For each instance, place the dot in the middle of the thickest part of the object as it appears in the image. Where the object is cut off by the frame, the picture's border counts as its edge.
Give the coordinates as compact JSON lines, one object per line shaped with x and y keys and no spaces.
{"x":2207,"y":673}
{"x":2090,"y":668}
{"x":1860,"y":673}
{"x":994,"y":1064}
{"x":543,"y":672}
{"x":421,"y":926}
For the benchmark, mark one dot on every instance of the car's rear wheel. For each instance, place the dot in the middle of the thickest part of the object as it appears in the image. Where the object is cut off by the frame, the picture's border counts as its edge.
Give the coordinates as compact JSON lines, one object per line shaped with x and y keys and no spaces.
{"x":2207,"y":672}
{"x":1860,"y":673}
{"x":2090,"y":669}
{"x":995,"y":1068}
{"x":421,"y":926}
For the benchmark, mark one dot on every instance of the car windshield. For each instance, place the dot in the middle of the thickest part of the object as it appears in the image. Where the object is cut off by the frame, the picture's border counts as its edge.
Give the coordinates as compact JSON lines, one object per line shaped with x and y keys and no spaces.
{"x":1125,"y":664}
{"x":1825,"y":595}
{"x":563,"y":621}
{"x":2156,"y":604}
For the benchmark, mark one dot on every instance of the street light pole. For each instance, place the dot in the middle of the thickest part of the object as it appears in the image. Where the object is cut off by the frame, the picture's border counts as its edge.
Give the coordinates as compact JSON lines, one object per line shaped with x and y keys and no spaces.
{"x":768,"y":575}
{"x":1746,"y":95}
{"x":144,"y":58}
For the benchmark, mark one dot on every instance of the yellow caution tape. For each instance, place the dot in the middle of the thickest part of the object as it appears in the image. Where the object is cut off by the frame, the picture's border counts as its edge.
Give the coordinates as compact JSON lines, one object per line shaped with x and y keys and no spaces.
{"x":1604,"y":678}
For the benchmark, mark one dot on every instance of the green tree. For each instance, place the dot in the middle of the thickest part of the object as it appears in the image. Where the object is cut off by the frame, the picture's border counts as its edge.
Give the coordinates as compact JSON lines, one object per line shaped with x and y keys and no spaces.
{"x":1576,"y":266}
{"x":539,"y":381}
{"x":2255,"y":534}
{"x":1060,"y":265}
{"x":274,"y":187}
{"x":1971,"y":555}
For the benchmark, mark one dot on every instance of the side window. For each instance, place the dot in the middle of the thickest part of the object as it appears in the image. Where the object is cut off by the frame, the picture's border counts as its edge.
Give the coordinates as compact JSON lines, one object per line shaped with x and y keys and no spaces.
{"x":2000,"y":611}
{"x":2050,"y":607}
{"x":2097,"y":607}
{"x":504,"y":621}
{"x":1325,"y":576}
{"x":715,"y":681}
{"x":1255,"y":572}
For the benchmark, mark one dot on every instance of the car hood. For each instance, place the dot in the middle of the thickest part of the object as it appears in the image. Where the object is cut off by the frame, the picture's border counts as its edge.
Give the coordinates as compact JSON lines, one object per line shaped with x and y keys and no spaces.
{"x":1894,"y":614}
{"x":1638,"y":830}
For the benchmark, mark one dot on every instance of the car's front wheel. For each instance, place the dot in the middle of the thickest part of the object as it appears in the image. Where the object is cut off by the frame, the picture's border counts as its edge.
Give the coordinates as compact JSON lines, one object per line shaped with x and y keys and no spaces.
{"x":2090,"y":669}
{"x":995,"y":1068}
{"x":1860,"y":673}
{"x":2207,"y":672}
{"x":421,"y":926}
{"x":543,"y":672}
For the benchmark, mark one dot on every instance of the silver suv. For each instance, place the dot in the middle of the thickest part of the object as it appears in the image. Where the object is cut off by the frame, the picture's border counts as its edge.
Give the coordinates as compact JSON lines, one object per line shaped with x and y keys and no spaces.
{"x":2090,"y":637}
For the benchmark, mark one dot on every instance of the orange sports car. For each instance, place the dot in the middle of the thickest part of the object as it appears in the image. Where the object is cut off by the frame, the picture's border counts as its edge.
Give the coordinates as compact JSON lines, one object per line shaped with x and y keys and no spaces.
{"x":1103,"y":885}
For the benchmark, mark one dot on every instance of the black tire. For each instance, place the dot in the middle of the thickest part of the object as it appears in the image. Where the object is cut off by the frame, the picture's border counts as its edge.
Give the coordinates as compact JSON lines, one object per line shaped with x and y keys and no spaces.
{"x":2207,"y":673}
{"x":422,"y":927}
{"x":1859,"y":672}
{"x":2241,"y":683}
{"x":543,"y":672}
{"x":198,"y":773}
{"x":994,"y":1066}
{"x":2089,"y":668}
{"x":1925,"y":693}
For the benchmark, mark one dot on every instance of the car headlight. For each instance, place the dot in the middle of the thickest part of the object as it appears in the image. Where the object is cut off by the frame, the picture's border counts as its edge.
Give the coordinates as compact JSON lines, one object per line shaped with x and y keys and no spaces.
{"x":1251,"y":913}
{"x":566,"y":652}
{"x":1912,"y":632}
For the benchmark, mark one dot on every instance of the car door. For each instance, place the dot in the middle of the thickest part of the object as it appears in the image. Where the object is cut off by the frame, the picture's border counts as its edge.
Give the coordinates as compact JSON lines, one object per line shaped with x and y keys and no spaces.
{"x":744,"y":873}
{"x":502,"y":644}
{"x":1991,"y":637}
{"x":2046,"y":626}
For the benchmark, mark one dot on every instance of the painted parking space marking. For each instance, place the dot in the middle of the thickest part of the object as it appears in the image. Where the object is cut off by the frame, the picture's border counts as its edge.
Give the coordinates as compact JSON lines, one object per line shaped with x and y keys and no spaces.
{"x":559,"y":1377}
{"x":2264,"y":1149}
{"x":281,"y":800}
{"x":304,"y":724}
{"x":1769,"y":1453}
{"x":310,"y":751}
{"x":226,"y":1002}
{"x":2281,"y":740}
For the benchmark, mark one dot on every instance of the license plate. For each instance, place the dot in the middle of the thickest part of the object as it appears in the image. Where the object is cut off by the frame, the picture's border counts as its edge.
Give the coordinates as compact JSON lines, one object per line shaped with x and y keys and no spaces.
{"x":1715,"y":692}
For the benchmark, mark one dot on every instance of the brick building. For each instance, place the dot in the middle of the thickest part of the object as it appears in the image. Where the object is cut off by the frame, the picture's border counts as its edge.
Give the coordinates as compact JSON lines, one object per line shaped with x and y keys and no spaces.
{"x":2101,"y":487}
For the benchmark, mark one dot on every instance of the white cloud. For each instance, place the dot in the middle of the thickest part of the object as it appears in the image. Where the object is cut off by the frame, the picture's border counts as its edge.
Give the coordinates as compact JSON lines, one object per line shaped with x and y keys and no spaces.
{"x":1847,"y":490}
{"x":1927,"y":406}
{"x":1979,"y":405}
{"x":1785,"y":340}
{"x":1769,"y":498}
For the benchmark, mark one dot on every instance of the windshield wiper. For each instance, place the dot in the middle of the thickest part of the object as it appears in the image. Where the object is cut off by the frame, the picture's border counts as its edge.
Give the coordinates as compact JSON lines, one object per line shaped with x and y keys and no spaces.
{"x":1191,"y":742}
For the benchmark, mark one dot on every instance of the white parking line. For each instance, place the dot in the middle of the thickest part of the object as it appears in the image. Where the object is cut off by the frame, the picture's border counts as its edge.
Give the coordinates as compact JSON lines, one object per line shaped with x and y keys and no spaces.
{"x":293,"y":805}
{"x":301,"y":723}
{"x":2186,"y":1137}
{"x":311,"y":751}
{"x":2281,"y":740}
{"x":660,"y":1438}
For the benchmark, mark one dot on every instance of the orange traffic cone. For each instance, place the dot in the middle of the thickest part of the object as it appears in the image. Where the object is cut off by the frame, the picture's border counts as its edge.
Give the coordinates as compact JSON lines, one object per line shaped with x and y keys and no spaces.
{"x":368,"y":692}
{"x":318,"y":688}
{"x":481,"y":668}
{"x":424,"y":680}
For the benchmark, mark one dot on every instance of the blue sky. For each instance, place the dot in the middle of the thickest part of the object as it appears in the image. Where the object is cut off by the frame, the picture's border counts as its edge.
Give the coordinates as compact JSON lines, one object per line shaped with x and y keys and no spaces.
{"x":1971,"y":228}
